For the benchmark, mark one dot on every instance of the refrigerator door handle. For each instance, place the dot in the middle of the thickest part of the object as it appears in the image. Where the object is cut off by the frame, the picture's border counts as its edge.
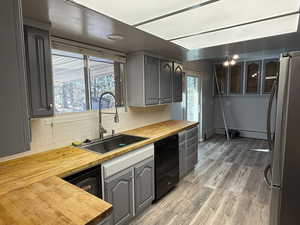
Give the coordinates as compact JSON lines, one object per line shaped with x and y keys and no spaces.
{"x":266,"y":175}
{"x":269,"y":134}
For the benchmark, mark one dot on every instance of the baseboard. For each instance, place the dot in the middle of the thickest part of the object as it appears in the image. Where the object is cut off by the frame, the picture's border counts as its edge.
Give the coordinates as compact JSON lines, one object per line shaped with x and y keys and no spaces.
{"x":248,"y":134}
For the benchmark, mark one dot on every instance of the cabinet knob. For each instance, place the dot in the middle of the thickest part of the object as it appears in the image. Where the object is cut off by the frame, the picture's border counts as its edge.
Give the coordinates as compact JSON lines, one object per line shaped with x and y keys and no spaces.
{"x":50,"y":106}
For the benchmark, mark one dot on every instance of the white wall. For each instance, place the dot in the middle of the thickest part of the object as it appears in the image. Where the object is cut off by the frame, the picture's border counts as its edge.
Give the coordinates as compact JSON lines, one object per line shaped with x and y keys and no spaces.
{"x":62,"y":130}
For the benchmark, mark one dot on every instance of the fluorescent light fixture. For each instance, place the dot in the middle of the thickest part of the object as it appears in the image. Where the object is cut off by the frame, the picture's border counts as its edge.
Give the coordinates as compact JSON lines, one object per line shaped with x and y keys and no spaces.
{"x":224,"y":13}
{"x":283,"y":25}
{"x":137,"y":11}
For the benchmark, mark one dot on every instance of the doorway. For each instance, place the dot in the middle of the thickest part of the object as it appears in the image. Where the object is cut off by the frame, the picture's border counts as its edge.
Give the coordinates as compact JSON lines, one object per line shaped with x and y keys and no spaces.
{"x":193,"y":99}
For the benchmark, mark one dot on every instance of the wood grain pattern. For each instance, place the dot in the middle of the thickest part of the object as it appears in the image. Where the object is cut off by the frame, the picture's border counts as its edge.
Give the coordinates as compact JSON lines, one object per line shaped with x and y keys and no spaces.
{"x":51,"y":201}
{"x":31,"y":191}
{"x":23,"y":171}
{"x":225,"y":188}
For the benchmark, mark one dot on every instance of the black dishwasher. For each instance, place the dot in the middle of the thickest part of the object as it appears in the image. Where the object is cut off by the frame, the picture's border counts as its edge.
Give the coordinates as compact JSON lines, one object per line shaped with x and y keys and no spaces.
{"x":89,"y":180}
{"x":166,"y":165}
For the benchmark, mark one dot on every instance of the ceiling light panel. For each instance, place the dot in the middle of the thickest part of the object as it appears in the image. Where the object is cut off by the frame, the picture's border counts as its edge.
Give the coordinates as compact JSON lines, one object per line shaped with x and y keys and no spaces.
{"x":137,"y":11}
{"x":223,"y":13}
{"x":283,"y":25}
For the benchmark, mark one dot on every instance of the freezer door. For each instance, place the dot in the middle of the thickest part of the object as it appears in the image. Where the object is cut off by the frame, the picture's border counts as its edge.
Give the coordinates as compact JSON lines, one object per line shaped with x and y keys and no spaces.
{"x":280,"y":131}
{"x":290,"y":197}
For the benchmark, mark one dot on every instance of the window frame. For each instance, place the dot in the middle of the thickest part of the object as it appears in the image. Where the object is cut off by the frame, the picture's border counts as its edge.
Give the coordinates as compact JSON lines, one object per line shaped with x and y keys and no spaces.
{"x":87,"y":79}
{"x":259,"y":79}
{"x":242,"y":78}
{"x":226,"y":85}
{"x":263,"y":80}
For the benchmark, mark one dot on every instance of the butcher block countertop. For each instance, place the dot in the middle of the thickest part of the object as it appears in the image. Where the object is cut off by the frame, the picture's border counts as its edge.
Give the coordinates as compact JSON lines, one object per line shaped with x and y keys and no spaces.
{"x":34,"y":182}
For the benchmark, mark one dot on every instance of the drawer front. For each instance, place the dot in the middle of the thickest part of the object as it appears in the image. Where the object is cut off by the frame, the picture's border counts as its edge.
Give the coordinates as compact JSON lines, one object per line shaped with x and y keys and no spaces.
{"x":192,"y":150}
{"x":191,"y":161}
{"x":181,"y":136}
{"x":192,"y":132}
{"x":123,"y":162}
{"x":192,"y":141}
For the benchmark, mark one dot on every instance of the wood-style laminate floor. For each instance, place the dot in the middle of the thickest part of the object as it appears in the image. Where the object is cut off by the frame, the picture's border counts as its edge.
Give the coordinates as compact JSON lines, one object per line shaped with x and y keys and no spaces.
{"x":226,"y":188}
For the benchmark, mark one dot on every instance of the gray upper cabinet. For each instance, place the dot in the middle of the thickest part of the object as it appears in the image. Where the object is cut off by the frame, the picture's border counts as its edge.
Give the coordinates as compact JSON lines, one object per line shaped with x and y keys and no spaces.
{"x":151,"y":74}
{"x":14,"y":119}
{"x":144,"y":185}
{"x":119,"y":192}
{"x":39,"y":72}
{"x":166,"y":72}
{"x":152,"y":81}
{"x":177,"y":82}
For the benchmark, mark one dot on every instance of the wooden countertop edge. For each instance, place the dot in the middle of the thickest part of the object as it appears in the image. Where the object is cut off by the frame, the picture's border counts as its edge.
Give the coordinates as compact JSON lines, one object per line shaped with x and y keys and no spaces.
{"x":123,"y":150}
{"x":99,"y":158}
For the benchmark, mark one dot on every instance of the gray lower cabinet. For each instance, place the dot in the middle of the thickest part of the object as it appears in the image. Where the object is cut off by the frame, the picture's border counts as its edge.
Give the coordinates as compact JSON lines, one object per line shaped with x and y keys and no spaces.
{"x":165,"y":84}
{"x":39,"y":72}
{"x":177,"y":82}
{"x":106,"y":221}
{"x":144,"y":185}
{"x":14,"y":119}
{"x":188,"y":150}
{"x":130,"y":191}
{"x":119,"y":192}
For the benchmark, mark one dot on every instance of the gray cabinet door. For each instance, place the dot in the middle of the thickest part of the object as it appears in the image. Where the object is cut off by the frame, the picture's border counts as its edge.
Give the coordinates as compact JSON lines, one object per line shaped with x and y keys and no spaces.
{"x":119,"y":192}
{"x":166,"y":71}
{"x":39,"y":72}
{"x":177,"y":82}
{"x":144,"y":185}
{"x":15,"y":131}
{"x":151,"y":79}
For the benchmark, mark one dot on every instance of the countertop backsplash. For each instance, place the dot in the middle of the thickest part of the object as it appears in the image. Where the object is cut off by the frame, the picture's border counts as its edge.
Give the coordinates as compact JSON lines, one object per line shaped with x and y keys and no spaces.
{"x":62,"y":130}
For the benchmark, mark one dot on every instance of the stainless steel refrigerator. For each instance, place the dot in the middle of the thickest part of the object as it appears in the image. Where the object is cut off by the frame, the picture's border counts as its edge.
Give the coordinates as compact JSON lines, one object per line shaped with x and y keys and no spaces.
{"x":283,"y":174}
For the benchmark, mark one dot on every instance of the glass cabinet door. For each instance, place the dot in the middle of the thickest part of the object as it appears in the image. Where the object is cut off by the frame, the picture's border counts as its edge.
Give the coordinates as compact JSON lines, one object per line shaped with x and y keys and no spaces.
{"x":236,"y":78}
{"x":253,"y":69}
{"x":271,"y":71}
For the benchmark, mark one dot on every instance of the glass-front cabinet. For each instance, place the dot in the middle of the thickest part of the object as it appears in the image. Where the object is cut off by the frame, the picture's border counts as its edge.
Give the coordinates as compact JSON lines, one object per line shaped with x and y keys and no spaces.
{"x":271,"y":72}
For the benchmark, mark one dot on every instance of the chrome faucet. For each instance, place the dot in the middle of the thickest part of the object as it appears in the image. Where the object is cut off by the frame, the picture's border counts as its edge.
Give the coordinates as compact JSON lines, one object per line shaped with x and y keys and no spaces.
{"x":102,"y":131}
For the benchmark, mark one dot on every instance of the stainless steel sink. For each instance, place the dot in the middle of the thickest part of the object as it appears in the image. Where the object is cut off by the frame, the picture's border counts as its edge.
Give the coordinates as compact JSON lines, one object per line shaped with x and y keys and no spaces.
{"x":113,"y":143}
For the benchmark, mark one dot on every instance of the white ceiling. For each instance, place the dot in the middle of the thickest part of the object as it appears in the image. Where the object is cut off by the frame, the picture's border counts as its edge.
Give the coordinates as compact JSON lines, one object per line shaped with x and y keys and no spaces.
{"x":217,"y":15}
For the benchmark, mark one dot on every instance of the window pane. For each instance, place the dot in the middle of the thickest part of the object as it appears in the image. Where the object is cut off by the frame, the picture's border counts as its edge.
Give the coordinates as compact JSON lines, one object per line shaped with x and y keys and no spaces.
{"x":102,"y":79}
{"x":192,"y":86}
{"x":253,"y":75}
{"x":69,"y":84}
{"x":221,"y":72}
{"x":236,"y":72}
{"x":271,"y":72}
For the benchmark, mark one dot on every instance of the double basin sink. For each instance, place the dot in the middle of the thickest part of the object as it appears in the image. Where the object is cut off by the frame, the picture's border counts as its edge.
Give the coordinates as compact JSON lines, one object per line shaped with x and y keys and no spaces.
{"x":112,"y":143}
